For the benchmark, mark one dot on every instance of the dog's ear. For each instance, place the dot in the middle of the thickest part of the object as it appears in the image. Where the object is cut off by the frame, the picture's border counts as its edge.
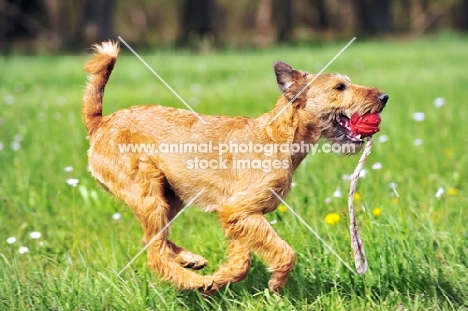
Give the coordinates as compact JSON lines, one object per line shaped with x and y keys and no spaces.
{"x":289,"y":81}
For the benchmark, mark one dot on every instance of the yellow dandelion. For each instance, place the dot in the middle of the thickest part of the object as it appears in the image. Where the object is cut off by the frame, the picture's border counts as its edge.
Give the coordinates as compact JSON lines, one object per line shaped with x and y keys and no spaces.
{"x":282,"y":208}
{"x":448,"y":152}
{"x":376,"y":212}
{"x":332,"y":218}
{"x":452,"y":191}
{"x":395,"y":200}
{"x":357,"y":196}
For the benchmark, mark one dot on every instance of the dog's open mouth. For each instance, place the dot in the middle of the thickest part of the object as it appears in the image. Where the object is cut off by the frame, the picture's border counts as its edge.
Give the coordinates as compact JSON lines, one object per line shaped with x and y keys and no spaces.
{"x":358,"y":127}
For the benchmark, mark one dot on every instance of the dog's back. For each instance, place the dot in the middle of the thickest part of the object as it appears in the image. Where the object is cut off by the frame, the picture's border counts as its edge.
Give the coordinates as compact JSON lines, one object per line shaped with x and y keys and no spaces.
{"x":237,"y":183}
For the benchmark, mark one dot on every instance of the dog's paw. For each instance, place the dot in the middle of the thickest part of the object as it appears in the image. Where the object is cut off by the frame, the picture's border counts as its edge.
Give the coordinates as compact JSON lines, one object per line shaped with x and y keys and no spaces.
{"x":275,"y":285}
{"x":191,"y":261}
{"x":209,"y":288}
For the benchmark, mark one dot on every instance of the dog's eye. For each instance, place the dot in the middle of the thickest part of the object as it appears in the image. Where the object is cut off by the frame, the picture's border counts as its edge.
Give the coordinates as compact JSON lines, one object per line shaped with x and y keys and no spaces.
{"x":340,"y":87}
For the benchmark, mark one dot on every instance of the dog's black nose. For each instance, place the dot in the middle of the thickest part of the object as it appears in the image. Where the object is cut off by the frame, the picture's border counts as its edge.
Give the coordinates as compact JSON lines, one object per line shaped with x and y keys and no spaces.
{"x":383,"y":98}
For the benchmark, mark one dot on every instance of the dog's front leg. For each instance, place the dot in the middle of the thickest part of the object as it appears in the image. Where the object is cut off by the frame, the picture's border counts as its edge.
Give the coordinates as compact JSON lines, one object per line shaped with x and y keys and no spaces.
{"x":249,"y":231}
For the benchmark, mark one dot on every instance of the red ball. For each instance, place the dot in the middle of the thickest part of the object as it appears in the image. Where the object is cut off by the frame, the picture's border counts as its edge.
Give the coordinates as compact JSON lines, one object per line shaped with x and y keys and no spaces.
{"x":366,"y":125}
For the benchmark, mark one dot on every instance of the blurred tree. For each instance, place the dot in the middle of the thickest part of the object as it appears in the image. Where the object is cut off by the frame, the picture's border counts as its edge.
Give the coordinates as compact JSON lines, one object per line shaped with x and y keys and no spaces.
{"x":19,"y":21}
{"x":197,"y":22}
{"x":263,"y":23}
{"x":284,"y":17}
{"x":347,"y":20}
{"x":375,"y":17}
{"x":464,"y":15}
{"x":55,"y":16}
{"x":322,"y":21}
{"x":98,"y":20}
{"x":55,"y":24}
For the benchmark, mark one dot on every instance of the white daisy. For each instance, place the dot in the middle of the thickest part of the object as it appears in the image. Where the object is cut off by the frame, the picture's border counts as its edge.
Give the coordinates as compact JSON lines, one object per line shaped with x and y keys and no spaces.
{"x":337,"y":193}
{"x":377,"y":166}
{"x":439,"y":102}
{"x":346,"y":177}
{"x":72,"y":182}
{"x":23,"y":250}
{"x":439,"y":192}
{"x":418,"y":116}
{"x":15,"y":146}
{"x":35,"y":235}
{"x":383,"y":138}
{"x":362,"y":173}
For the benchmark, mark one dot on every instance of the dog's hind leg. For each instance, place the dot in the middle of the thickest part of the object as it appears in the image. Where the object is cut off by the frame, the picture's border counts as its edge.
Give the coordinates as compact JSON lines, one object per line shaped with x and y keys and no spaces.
{"x":146,"y":199}
{"x":183,"y":257}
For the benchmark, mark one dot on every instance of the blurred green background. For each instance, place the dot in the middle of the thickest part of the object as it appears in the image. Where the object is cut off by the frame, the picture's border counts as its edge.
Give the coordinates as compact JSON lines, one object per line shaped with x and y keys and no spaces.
{"x":63,"y":240}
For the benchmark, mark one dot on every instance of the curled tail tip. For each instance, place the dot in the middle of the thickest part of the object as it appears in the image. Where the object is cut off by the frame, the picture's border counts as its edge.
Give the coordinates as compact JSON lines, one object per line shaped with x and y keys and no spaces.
{"x":99,"y":67}
{"x":110,"y":48}
{"x":103,"y":58}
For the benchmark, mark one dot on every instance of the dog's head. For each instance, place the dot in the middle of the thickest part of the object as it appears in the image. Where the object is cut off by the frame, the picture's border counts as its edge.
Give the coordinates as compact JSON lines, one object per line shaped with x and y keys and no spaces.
{"x":345,"y":113}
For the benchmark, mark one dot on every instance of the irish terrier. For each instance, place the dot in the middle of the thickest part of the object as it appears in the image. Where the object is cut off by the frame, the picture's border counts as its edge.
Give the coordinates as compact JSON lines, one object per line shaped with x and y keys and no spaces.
{"x":156,"y":185}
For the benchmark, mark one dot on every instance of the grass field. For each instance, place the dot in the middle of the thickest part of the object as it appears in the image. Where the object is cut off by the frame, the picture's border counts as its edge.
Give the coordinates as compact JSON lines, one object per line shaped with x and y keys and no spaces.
{"x":417,"y":246}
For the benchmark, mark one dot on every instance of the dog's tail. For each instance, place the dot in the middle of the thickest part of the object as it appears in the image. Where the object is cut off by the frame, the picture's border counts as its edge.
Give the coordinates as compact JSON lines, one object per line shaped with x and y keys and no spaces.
{"x":99,"y":68}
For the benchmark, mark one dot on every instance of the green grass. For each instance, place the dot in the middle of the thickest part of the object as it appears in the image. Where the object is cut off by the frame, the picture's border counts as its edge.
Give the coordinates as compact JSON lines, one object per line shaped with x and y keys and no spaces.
{"x":417,"y":248}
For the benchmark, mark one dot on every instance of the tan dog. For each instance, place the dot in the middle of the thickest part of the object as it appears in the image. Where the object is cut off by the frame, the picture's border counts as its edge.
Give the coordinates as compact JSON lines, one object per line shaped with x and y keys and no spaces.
{"x":156,"y":185}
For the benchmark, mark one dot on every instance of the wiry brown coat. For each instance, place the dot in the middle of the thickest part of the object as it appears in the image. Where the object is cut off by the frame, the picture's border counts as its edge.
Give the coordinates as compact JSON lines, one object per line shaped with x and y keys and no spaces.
{"x":156,"y":186}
